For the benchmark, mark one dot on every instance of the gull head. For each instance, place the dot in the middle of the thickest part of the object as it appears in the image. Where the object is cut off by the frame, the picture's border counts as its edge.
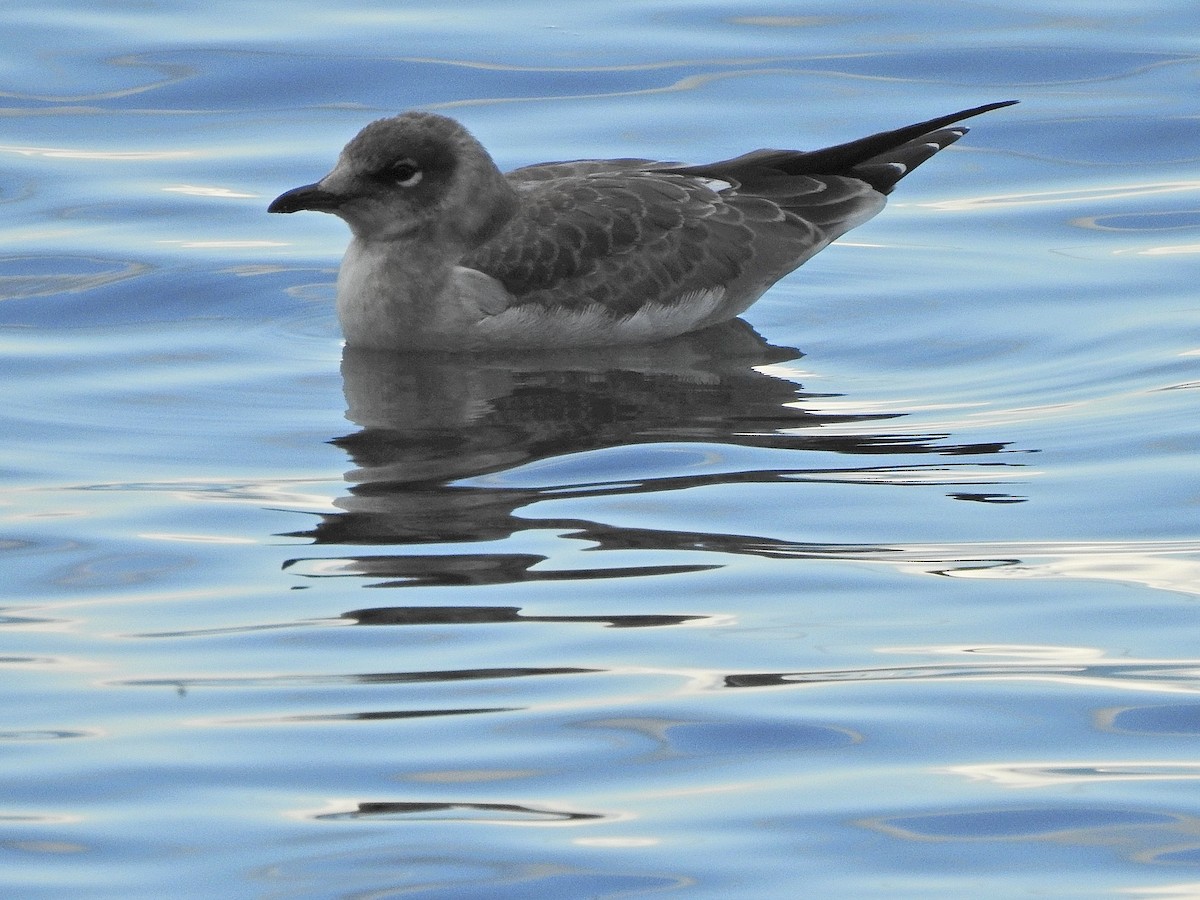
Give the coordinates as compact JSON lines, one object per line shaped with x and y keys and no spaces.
{"x":412,"y":176}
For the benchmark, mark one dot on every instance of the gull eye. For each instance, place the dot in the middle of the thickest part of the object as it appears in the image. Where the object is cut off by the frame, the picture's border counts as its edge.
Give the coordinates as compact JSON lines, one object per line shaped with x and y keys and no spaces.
{"x":405,"y":172}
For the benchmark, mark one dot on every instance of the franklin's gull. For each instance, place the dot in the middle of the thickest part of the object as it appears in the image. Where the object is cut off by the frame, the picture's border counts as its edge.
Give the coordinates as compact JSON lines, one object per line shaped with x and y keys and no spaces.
{"x":448,"y":253}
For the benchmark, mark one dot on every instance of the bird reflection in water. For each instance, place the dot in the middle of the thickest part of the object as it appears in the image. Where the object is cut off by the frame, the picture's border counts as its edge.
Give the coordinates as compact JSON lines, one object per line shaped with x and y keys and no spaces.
{"x":432,"y":428}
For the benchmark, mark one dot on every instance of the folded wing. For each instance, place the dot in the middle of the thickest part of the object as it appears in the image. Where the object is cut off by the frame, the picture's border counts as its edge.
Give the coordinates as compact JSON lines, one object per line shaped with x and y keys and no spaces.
{"x":624,"y":234}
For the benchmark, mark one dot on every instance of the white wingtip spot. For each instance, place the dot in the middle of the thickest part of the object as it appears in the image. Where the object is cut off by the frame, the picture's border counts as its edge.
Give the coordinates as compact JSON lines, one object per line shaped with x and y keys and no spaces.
{"x":715,"y":184}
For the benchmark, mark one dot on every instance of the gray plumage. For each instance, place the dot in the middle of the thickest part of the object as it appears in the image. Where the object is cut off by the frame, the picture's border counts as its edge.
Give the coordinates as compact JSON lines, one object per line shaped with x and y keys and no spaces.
{"x":448,"y":253}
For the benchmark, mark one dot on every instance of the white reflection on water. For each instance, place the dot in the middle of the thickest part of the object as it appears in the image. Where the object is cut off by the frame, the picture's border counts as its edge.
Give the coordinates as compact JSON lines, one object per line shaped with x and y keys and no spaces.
{"x":1175,"y":250}
{"x":1165,"y":565}
{"x":1171,"y":567}
{"x":197,"y":538}
{"x":1042,"y":653}
{"x":1068,"y":195}
{"x":194,"y":190}
{"x":618,"y":842}
{"x":224,"y":245}
{"x":1077,"y":772}
{"x":281,"y":492}
{"x":116,"y":155}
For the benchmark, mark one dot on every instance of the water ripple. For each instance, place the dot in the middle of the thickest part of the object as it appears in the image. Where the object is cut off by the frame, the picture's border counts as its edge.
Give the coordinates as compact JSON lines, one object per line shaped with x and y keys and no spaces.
{"x":259,"y":681}
{"x":1166,"y":676}
{"x":481,"y":813}
{"x":44,"y":276}
{"x":945,"y":522}
{"x":490,"y":615}
{"x":1076,"y":773}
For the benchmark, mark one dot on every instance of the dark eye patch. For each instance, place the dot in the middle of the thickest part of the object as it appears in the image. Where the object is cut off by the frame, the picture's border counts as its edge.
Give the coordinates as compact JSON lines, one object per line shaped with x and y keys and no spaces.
{"x":405,"y":172}
{"x":418,"y":166}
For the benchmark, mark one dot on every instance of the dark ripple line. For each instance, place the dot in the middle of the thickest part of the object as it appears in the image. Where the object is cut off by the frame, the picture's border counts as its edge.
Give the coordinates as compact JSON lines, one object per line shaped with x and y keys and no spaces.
{"x":1176,"y":671}
{"x":450,"y":675}
{"x":490,"y":615}
{"x":422,"y":809}
{"x":383,"y":715}
{"x":458,"y":569}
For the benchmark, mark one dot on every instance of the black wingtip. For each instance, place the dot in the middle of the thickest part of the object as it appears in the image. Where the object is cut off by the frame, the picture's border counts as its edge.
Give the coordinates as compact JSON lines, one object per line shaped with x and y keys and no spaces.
{"x":843,"y":158}
{"x":980,"y":110}
{"x":912,"y":132}
{"x":883,"y":159}
{"x":942,"y":121}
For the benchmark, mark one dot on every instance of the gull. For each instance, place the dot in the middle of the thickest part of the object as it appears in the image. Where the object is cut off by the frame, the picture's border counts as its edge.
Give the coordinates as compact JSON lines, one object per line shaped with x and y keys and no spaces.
{"x":449,"y":253}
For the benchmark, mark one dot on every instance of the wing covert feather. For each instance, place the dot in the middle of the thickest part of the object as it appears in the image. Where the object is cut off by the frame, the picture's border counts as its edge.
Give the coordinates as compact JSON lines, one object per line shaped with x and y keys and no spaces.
{"x":623,"y":238}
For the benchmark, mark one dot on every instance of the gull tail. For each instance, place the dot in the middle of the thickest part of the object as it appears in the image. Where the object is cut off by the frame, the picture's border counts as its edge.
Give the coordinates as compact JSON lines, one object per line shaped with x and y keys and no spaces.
{"x":880,"y":159}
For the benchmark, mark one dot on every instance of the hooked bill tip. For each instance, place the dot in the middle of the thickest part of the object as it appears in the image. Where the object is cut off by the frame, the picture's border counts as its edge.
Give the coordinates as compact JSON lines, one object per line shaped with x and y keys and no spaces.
{"x":309,"y":196}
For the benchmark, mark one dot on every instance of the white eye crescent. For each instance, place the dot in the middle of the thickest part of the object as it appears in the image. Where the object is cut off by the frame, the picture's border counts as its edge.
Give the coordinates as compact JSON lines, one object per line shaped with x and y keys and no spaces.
{"x":405,"y":172}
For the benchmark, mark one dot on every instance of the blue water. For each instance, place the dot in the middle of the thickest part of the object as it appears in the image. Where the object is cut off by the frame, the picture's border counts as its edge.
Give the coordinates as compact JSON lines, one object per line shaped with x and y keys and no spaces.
{"x":889,"y":591}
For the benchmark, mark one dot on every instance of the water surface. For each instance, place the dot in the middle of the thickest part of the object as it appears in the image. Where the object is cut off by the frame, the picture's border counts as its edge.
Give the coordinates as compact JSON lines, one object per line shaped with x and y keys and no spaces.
{"x":887,"y":591}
